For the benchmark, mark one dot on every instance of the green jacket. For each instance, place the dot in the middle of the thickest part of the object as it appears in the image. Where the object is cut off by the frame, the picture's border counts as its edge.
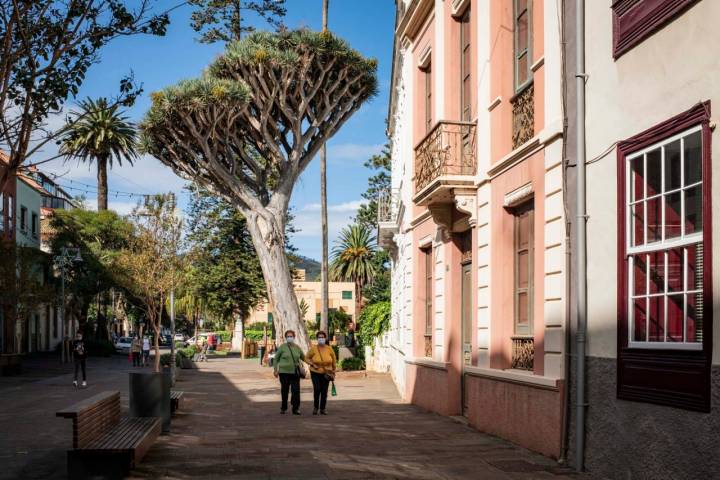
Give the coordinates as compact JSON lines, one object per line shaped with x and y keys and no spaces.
{"x":283,"y":362}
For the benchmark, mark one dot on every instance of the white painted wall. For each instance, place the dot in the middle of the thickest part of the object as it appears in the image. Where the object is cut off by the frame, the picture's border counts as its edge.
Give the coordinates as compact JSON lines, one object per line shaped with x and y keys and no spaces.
{"x":663,"y":76}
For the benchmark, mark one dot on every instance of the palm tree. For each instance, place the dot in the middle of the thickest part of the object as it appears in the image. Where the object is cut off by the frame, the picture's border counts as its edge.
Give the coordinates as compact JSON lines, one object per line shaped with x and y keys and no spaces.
{"x":353,"y":259}
{"x":100,"y":133}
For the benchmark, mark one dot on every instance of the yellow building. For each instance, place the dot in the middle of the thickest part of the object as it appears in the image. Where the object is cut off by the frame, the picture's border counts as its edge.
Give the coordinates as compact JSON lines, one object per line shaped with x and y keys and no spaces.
{"x":341,"y":297}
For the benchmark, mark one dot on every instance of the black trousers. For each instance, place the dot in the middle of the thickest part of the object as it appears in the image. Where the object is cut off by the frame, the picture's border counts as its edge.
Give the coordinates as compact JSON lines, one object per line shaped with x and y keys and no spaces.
{"x":80,"y":363}
{"x":136,"y":359}
{"x":320,"y":390}
{"x":290,"y":382}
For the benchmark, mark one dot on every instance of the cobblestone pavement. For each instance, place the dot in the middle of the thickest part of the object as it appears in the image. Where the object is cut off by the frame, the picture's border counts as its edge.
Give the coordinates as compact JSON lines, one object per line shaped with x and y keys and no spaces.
{"x":230,"y":427}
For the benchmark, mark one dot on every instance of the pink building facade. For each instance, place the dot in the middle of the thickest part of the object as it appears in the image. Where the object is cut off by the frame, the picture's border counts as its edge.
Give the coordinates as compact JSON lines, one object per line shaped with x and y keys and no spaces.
{"x":475,"y":221}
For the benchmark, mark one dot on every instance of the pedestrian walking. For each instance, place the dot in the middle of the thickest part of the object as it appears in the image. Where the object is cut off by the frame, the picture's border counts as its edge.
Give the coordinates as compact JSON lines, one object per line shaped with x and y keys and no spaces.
{"x":287,"y":367}
{"x":135,"y":348}
{"x":146,"y":351}
{"x":203,"y":352}
{"x":322,"y":361}
{"x":79,"y":356}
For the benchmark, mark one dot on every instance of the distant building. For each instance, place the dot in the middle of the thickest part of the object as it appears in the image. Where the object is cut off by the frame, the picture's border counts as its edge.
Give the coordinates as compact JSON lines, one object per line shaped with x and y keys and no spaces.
{"x":54,"y":197}
{"x":341,"y":296}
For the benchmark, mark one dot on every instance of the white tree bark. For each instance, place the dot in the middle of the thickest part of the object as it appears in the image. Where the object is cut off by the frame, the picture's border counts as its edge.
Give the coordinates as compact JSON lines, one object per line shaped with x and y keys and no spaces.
{"x":269,"y":240}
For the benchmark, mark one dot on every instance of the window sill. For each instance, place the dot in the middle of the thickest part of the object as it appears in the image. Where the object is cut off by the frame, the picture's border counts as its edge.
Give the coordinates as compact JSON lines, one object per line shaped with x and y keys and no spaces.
{"x":427,"y":362}
{"x":521,"y":377}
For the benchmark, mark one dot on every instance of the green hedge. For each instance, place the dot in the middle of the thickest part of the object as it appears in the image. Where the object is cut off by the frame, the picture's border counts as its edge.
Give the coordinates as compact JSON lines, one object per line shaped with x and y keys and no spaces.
{"x":354,"y":363}
{"x":225,"y":336}
{"x":254,"y":335}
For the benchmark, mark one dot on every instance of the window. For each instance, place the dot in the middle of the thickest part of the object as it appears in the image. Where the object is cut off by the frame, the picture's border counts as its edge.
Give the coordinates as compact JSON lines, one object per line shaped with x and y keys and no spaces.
{"x":664,"y":263}
{"x":23,"y":218}
{"x":522,"y":30}
{"x":523,"y":288}
{"x":465,"y":68}
{"x":635,"y":20}
{"x":270,"y":317}
{"x":347,"y":295}
{"x":426,"y":255}
{"x":523,"y":343}
{"x":34,"y":224}
{"x":427,"y":74}
{"x":665,"y":242}
{"x":10,"y":215}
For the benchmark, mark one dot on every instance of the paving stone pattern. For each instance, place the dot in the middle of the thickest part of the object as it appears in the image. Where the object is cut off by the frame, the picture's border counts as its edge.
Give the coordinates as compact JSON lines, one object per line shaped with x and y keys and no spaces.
{"x":230,"y":427}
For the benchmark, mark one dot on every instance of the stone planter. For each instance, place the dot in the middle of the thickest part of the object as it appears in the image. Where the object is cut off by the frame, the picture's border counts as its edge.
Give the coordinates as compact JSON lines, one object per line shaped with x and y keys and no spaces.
{"x":150,"y":396}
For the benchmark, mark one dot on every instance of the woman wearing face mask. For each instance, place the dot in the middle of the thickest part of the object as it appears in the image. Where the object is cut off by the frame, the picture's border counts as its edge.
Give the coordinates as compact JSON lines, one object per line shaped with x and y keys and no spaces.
{"x":321,"y":359}
{"x":286,"y":365}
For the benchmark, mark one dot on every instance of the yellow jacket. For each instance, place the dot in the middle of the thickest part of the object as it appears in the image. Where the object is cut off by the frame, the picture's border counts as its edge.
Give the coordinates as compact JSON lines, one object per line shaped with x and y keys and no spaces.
{"x":321,"y":359}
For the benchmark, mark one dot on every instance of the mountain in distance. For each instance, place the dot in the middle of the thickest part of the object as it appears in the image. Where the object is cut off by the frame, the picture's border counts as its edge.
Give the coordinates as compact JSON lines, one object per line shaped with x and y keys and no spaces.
{"x":311,"y":267}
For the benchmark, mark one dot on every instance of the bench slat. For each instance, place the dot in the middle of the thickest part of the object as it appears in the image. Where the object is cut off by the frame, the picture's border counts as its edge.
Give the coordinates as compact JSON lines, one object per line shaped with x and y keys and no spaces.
{"x":88,"y":404}
{"x":127,"y":435}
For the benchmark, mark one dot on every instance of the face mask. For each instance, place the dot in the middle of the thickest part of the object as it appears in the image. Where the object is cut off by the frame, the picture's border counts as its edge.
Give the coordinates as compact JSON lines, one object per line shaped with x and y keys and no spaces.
{"x":289,"y":339}
{"x":321,"y":341}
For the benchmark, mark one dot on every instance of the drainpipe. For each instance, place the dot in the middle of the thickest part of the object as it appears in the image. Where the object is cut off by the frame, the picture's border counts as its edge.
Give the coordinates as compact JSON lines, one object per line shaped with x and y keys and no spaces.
{"x":580,"y":339}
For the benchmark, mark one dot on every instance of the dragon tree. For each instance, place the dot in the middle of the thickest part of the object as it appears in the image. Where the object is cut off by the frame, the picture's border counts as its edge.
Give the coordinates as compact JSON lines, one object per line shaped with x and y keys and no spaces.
{"x":252,"y":123}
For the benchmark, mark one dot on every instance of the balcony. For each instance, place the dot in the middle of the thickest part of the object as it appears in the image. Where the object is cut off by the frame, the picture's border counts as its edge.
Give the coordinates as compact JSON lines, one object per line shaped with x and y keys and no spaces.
{"x":388,"y":215}
{"x":445,"y":160}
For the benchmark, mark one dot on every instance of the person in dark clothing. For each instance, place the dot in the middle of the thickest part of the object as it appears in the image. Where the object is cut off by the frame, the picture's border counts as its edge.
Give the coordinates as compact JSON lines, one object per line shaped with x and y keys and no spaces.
{"x":79,"y":355}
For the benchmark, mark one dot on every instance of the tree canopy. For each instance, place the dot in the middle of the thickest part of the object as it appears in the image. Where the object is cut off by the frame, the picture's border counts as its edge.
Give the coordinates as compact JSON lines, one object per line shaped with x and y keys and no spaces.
{"x":378,"y":183}
{"x":222,"y":20}
{"x":252,"y":123}
{"x":46,"y":48}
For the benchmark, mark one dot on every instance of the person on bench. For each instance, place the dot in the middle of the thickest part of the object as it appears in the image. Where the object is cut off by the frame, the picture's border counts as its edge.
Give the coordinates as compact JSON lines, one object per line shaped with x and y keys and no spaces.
{"x":79,"y":356}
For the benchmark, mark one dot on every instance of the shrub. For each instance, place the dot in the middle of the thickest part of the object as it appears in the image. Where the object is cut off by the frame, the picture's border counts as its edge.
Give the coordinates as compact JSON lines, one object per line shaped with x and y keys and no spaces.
{"x":254,"y":334}
{"x":225,"y":336}
{"x":188,"y":352}
{"x":354,"y":363}
{"x":374,"y":321}
{"x":179,"y":345}
{"x":165,"y":360}
{"x":259,"y":326}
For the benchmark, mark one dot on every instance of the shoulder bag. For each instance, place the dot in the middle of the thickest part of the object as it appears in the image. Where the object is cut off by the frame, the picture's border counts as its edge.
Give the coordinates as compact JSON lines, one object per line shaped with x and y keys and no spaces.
{"x":299,"y":369}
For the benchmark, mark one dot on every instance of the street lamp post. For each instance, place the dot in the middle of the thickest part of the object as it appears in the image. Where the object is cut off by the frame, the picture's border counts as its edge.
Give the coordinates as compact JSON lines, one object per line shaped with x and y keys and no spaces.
{"x":67,"y":256}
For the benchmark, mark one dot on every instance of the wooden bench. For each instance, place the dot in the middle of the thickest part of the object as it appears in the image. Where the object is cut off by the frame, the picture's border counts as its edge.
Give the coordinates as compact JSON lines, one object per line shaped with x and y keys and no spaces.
{"x":105,"y":444}
{"x":176,"y":397}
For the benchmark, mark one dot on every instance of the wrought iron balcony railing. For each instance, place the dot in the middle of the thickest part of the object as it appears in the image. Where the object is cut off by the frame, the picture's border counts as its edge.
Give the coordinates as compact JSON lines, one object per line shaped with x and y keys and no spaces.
{"x":523,"y":353}
{"x":388,"y":203}
{"x":449,"y":149}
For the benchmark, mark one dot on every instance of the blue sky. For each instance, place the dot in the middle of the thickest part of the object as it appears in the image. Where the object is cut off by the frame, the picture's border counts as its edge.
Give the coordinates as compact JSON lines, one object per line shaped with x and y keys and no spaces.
{"x":159,"y":62}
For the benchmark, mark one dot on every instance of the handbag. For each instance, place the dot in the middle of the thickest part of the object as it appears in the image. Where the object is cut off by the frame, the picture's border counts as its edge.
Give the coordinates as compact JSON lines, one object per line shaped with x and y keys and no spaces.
{"x":299,"y":369}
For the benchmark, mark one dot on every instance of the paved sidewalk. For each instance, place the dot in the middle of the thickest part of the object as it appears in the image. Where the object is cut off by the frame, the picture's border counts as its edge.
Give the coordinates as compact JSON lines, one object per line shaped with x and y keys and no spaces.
{"x":230,"y":427}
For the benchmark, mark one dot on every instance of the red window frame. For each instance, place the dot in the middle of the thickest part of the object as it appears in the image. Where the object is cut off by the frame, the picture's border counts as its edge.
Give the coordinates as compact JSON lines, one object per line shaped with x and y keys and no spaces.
{"x":679,"y":378}
{"x":635,"y":20}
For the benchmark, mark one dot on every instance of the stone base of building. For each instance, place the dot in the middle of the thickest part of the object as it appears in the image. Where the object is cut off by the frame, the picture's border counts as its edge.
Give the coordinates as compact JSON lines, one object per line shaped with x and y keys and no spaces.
{"x":640,"y":441}
{"x":527,"y":415}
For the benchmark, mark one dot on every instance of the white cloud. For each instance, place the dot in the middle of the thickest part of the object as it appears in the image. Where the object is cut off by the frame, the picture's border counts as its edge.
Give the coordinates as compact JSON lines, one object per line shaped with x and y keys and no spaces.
{"x":352,"y":151}
{"x":347,"y":207}
{"x":307,"y":219}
